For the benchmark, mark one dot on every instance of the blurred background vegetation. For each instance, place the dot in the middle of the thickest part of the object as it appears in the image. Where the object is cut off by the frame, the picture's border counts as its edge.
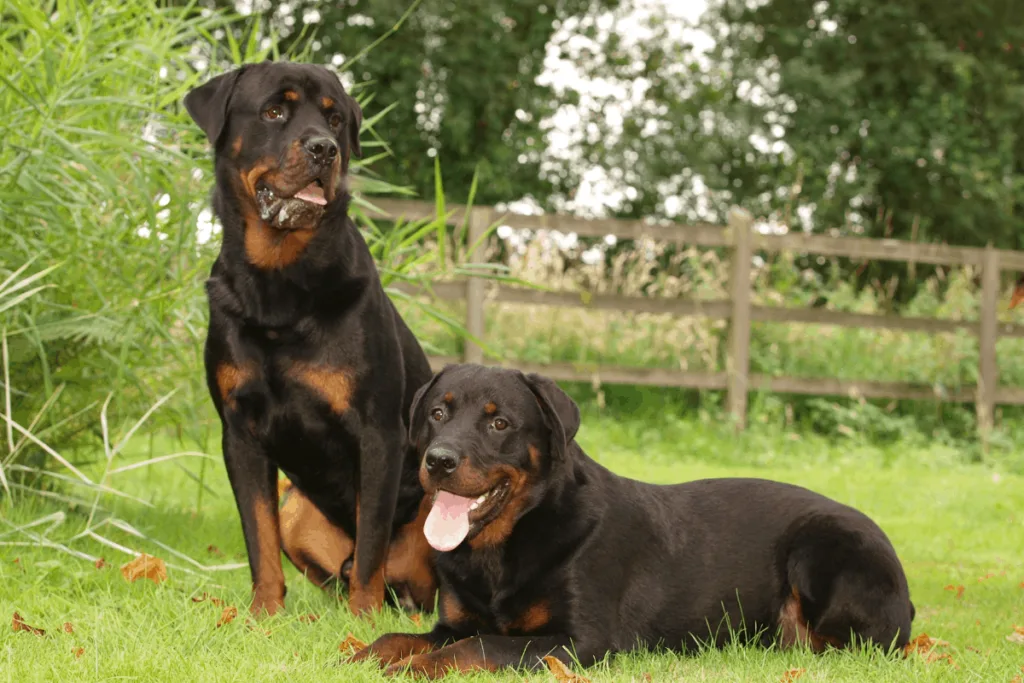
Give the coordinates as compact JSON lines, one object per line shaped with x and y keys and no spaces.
{"x":857,"y":117}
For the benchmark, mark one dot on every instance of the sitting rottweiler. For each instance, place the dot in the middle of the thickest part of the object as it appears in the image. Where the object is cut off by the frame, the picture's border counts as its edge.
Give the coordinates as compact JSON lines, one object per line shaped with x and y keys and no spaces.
{"x":542,"y":551}
{"x":311,"y":368}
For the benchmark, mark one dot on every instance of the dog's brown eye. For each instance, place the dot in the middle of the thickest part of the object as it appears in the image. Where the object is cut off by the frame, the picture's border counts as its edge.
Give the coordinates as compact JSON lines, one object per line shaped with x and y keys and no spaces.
{"x":274,"y":113}
{"x":335,"y":120}
{"x":437,"y":414}
{"x":500,"y":423}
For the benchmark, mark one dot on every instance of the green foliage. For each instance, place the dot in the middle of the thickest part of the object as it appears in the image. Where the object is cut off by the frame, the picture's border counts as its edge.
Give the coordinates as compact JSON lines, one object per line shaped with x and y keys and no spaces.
{"x":905,"y":119}
{"x":102,"y":176}
{"x":95,"y":182}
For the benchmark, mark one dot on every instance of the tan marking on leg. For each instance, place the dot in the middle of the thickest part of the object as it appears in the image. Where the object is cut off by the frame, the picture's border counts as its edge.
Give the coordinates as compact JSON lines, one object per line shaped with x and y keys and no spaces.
{"x":315,"y":545}
{"x":268,"y":588}
{"x":409,"y":560}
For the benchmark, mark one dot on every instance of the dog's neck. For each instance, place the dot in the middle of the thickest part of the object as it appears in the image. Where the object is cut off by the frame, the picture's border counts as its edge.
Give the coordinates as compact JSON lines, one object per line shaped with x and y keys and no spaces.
{"x":333,"y":271}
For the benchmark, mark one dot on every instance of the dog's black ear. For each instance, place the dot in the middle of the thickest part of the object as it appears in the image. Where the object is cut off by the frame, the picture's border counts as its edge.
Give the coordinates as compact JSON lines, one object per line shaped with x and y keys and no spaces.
{"x":560,"y":411}
{"x":208,"y":103}
{"x":415,"y":412}
{"x":354,"y":119}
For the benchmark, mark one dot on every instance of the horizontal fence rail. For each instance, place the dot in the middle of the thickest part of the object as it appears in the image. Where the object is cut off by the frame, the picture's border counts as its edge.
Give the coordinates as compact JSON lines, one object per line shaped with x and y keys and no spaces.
{"x":739,"y":237}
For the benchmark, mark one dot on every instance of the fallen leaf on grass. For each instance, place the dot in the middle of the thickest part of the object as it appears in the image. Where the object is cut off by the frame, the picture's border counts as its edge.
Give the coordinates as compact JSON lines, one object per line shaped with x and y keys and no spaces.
{"x":416,"y":618}
{"x":1017,"y":636}
{"x":206,"y":596}
{"x":308,"y":618}
{"x":1018,"y":678}
{"x":101,"y":563}
{"x":68,"y":628}
{"x":351,"y":644}
{"x":78,"y":652}
{"x":18,"y":624}
{"x":648,"y":678}
{"x":974,"y":649}
{"x":959,"y":590}
{"x":145,"y":567}
{"x":214,"y":550}
{"x":923,"y":643}
{"x":561,"y":672}
{"x":986,"y":577}
{"x":792,"y":675}
{"x":925,"y":646}
{"x":227,"y":616}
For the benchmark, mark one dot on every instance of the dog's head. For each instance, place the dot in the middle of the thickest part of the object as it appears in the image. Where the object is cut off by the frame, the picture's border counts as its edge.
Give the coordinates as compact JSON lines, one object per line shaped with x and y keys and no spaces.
{"x":285,"y":132}
{"x":491,"y":441}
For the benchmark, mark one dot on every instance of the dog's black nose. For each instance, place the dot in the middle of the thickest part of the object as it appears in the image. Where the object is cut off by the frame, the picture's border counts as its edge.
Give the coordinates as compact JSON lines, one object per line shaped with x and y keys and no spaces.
{"x":322,"y":148}
{"x":441,"y":460}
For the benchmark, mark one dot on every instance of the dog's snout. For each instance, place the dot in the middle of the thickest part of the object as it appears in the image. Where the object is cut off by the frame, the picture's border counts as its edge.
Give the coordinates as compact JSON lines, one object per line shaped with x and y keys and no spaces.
{"x":441,"y":461}
{"x":321,"y":148}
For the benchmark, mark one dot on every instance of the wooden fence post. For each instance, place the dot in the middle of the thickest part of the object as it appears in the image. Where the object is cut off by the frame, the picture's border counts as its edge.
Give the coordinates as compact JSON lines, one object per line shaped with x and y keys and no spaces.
{"x":738,"y":358}
{"x":988,"y":368}
{"x":479,"y":220}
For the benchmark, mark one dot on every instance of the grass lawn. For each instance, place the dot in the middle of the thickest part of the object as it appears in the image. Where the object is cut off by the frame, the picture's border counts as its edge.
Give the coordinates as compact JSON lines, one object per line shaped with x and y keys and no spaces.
{"x":953,"y":525}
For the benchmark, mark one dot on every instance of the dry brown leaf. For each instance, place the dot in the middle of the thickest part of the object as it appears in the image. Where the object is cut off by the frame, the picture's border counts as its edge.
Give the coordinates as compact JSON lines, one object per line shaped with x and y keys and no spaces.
{"x":17,"y":560}
{"x":416,"y":618}
{"x":1017,"y":636}
{"x":101,"y":563}
{"x":18,"y":624}
{"x":935,"y":656}
{"x":145,"y":567}
{"x":206,"y":596}
{"x":792,"y":675}
{"x":923,"y":643}
{"x":227,"y":616}
{"x":68,"y":628}
{"x":648,"y":678}
{"x":986,"y":577}
{"x":214,"y":550}
{"x":78,"y":652}
{"x":351,"y":644}
{"x":562,"y":673}
{"x":959,"y":590}
{"x":1019,"y":678}
{"x":308,"y":618}
{"x":974,"y":649}
{"x":1021,"y":584}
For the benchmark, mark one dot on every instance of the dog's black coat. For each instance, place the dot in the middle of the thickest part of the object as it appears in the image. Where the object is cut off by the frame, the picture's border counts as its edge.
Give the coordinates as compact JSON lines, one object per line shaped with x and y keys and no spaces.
{"x":594,"y":563}
{"x":311,"y":368}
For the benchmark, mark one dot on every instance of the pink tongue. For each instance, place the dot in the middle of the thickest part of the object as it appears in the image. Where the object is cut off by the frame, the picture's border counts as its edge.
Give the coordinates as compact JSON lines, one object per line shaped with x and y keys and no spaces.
{"x":312,"y":193}
{"x":448,"y":522}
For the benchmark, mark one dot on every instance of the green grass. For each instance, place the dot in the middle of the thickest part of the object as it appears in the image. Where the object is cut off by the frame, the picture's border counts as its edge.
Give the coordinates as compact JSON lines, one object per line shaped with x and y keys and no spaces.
{"x":950,"y":523}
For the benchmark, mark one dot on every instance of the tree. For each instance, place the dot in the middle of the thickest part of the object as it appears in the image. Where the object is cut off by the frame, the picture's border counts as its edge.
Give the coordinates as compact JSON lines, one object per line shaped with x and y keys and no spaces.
{"x":459,"y":80}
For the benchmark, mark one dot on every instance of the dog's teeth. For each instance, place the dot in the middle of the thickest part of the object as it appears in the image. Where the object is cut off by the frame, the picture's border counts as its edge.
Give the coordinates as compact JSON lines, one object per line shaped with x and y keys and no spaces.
{"x":481,"y":499}
{"x":474,"y":506}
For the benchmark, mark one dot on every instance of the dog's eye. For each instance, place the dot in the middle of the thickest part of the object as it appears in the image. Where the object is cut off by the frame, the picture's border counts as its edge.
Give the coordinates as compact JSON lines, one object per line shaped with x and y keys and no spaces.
{"x":436,"y":414}
{"x":274,"y":113}
{"x":500,"y":423}
{"x":335,"y":120}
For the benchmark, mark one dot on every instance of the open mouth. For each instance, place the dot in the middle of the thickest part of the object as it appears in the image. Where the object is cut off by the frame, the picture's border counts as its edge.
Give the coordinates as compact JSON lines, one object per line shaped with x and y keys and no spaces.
{"x":302,"y":209}
{"x":453,"y":518}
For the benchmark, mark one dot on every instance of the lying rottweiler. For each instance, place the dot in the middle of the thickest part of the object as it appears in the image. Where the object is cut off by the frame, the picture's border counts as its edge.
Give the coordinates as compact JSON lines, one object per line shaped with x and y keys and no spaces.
{"x":311,"y":368}
{"x":544,"y":551}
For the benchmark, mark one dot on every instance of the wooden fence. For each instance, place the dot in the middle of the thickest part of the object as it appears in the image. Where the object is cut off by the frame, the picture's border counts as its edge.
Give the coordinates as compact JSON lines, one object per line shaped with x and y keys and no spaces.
{"x":738,"y":235}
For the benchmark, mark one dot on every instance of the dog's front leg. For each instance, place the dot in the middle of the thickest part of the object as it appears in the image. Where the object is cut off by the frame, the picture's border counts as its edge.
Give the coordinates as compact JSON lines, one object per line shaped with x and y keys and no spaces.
{"x":380,"y":469}
{"x":486,"y":653}
{"x":254,"y":481}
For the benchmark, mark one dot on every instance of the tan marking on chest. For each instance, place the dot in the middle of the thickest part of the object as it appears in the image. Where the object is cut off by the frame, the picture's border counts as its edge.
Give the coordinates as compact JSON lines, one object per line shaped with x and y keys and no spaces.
{"x":333,"y":385}
{"x":231,"y":377}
